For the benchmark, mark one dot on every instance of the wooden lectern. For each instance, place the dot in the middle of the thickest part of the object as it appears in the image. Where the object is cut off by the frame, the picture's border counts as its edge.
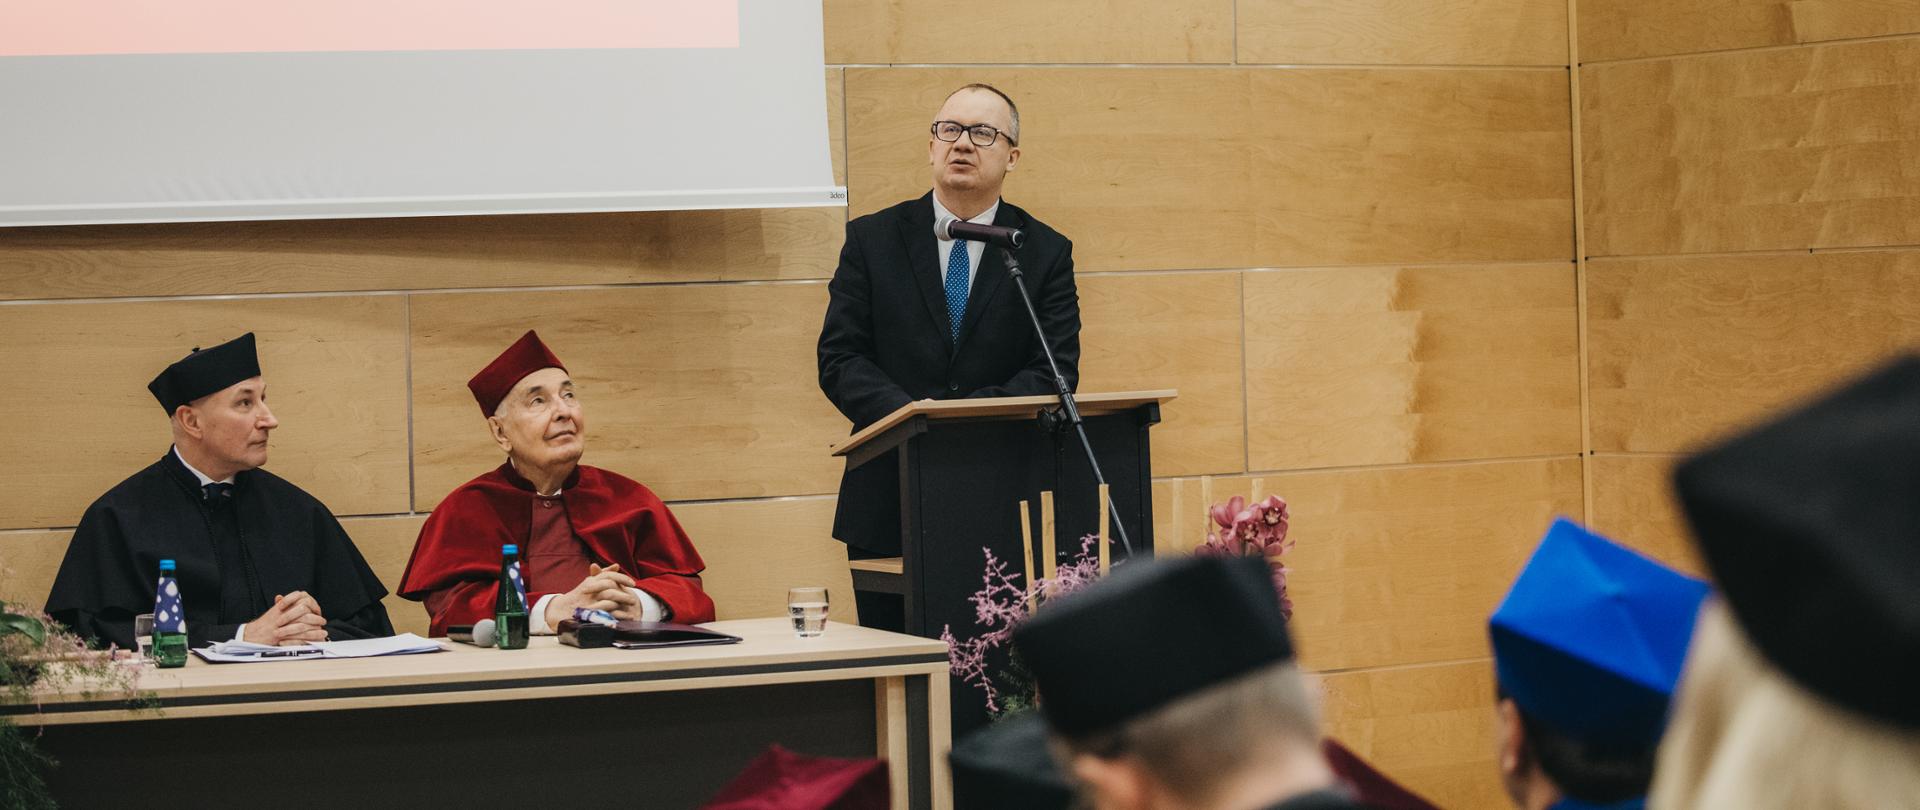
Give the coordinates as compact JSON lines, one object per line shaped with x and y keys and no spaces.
{"x":965,"y":464}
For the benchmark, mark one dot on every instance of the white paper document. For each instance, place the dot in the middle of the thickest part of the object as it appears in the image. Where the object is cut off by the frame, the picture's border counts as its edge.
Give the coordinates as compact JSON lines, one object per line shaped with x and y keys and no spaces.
{"x":246,"y":652}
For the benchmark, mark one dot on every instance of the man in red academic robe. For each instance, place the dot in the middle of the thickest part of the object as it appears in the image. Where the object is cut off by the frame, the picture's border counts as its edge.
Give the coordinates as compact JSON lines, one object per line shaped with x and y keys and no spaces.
{"x":589,"y":537}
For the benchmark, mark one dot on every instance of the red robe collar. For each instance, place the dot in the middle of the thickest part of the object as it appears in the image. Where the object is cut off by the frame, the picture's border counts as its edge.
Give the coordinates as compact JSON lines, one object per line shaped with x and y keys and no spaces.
{"x":618,"y":519}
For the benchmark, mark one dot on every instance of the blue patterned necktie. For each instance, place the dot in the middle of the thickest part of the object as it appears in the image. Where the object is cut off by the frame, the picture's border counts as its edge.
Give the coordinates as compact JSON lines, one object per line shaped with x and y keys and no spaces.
{"x":956,"y":288}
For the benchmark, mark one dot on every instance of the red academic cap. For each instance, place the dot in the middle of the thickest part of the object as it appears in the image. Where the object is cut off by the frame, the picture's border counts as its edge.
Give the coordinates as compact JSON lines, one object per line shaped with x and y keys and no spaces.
{"x":783,"y":780}
{"x":526,"y":356}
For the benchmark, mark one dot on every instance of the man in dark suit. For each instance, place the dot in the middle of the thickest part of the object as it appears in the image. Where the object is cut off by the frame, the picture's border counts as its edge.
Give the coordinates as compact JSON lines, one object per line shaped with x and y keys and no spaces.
{"x":916,"y":316}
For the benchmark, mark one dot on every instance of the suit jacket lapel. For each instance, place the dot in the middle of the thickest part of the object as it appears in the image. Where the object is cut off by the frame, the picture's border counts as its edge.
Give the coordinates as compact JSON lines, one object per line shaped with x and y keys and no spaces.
{"x":917,"y":231}
{"x":992,"y":271}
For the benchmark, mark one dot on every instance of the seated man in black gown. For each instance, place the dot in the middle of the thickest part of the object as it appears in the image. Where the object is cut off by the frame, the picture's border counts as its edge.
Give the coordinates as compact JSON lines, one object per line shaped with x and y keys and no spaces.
{"x":258,"y":559}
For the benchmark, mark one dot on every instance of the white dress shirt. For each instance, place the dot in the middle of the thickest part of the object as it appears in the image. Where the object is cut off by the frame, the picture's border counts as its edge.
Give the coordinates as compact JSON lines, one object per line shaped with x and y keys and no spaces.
{"x":974,"y":249}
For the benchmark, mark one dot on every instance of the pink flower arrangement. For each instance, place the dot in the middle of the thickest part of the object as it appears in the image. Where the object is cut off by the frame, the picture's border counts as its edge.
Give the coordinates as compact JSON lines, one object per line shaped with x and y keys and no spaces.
{"x":1257,"y":530}
{"x":999,"y":606}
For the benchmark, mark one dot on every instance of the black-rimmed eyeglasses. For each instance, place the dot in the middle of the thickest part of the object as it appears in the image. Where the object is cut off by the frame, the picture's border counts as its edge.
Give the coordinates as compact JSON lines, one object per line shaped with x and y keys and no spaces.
{"x":982,"y":135}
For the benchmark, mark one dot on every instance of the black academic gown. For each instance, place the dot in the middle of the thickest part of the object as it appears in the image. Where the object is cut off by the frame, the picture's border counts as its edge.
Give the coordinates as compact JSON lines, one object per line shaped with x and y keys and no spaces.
{"x":269,"y":538}
{"x":887,"y":341}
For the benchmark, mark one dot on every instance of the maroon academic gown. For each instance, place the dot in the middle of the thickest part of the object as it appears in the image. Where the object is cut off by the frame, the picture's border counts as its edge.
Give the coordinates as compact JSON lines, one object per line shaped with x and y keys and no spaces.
{"x":613,"y":519}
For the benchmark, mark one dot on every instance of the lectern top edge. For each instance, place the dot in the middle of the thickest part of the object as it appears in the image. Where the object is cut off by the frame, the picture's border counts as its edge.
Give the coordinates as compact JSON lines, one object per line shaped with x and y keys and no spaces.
{"x":1090,"y":404}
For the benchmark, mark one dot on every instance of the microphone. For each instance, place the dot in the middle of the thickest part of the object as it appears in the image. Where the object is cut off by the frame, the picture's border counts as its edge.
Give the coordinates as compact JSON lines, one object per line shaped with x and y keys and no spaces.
{"x":950,"y":227}
{"x":479,"y":634}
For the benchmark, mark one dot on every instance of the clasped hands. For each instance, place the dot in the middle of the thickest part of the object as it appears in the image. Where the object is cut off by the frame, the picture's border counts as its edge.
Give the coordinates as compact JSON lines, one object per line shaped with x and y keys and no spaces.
{"x":603,"y":589}
{"x":295,"y":618}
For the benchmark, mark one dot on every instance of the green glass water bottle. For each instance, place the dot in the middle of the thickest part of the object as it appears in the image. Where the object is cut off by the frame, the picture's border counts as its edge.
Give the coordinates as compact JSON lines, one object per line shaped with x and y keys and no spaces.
{"x":169,"y":623}
{"x":510,"y":625}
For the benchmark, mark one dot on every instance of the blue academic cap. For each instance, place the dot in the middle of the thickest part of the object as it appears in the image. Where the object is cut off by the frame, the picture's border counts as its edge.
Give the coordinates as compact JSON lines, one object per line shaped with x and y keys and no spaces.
{"x":1590,"y":639}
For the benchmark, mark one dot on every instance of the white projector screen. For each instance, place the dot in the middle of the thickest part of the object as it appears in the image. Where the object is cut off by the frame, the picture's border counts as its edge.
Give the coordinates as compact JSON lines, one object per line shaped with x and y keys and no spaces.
{"x":115,"y":111}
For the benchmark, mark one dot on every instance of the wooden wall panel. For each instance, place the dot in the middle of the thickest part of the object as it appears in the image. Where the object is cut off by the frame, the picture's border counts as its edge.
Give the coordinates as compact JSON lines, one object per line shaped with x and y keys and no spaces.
{"x":1402,"y":565}
{"x":28,"y":562}
{"x":1432,"y":728}
{"x":387,"y":544}
{"x":1808,"y":147}
{"x":1180,"y":331}
{"x":1683,"y":349}
{"x":1633,"y":503}
{"x":756,"y":550}
{"x":417,"y":253}
{"x":1210,"y":168}
{"x":1093,"y":143}
{"x":1011,"y":31}
{"x":336,"y":377}
{"x":700,"y":392}
{"x":1380,"y":365}
{"x":1402,"y":32}
{"x":1624,"y":29}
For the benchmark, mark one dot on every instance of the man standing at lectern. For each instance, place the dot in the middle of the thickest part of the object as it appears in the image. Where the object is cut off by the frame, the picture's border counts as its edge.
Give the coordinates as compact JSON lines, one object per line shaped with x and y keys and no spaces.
{"x":914,"y":315}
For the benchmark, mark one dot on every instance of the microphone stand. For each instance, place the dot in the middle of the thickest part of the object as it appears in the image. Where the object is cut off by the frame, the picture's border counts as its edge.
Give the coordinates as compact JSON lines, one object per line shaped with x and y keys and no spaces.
{"x":1066,"y":396}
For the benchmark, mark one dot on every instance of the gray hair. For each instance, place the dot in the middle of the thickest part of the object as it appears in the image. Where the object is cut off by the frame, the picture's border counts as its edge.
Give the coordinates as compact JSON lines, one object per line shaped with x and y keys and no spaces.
{"x":1198,"y":744}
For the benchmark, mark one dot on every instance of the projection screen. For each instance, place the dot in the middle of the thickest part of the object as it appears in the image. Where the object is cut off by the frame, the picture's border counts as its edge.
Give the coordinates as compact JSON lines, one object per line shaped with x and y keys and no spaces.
{"x":116,"y":111}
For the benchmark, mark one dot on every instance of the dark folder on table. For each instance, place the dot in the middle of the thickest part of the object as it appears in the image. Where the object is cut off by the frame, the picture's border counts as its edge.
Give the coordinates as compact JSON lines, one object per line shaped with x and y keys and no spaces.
{"x":632,"y":635}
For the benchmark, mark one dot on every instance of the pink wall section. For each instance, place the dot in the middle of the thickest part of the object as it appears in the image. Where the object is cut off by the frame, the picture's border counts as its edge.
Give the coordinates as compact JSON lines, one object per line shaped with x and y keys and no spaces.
{"x":93,"y":27}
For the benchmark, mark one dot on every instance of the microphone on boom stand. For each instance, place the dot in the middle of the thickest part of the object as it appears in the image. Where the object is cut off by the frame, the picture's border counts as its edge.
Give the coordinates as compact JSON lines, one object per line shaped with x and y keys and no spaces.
{"x":1009,"y":241}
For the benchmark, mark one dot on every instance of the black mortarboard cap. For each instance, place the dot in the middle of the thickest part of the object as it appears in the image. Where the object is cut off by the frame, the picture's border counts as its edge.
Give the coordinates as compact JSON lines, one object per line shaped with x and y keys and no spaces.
{"x":1006,"y":766}
{"x":1810,"y":525}
{"x":204,"y":371}
{"x":1151,"y":633}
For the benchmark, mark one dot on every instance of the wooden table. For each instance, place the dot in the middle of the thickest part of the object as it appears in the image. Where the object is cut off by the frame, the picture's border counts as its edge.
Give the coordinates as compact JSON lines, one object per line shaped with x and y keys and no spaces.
{"x":665,"y":727}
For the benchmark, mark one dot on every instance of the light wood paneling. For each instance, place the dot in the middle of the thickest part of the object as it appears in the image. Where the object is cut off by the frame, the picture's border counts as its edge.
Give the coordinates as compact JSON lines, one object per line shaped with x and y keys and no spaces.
{"x":28,"y":562}
{"x":1212,"y":168}
{"x":1808,"y":147}
{"x":1181,"y":331}
{"x":1623,"y":29}
{"x":1633,"y":503}
{"x":336,"y":377}
{"x":1011,"y":31}
{"x":387,"y":543}
{"x":756,"y":550}
{"x":1399,"y":565}
{"x":700,"y":392}
{"x":1684,"y":349}
{"x":1432,"y":728}
{"x":1402,"y":32}
{"x":417,"y":253}
{"x":1379,"y":365}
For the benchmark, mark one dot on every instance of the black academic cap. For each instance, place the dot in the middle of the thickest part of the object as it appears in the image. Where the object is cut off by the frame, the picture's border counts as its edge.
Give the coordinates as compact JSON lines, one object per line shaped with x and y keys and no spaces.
{"x":1811,"y":526}
{"x":1006,"y":766}
{"x":203,"y":372}
{"x":1151,"y":633}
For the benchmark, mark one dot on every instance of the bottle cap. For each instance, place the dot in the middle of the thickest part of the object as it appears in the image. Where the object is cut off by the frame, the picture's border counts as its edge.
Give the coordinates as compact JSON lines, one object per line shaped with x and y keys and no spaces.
{"x":510,"y":548}
{"x":166,"y":565}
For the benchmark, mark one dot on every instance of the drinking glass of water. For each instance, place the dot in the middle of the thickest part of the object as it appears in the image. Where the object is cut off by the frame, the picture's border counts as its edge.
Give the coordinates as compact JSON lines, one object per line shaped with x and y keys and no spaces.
{"x":808,"y":607}
{"x":143,"y":634}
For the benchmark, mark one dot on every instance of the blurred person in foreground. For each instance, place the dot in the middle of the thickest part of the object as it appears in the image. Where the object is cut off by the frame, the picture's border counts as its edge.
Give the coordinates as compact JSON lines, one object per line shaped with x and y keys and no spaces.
{"x":1803,"y":689}
{"x":1587,"y":647}
{"x":1172,"y":684}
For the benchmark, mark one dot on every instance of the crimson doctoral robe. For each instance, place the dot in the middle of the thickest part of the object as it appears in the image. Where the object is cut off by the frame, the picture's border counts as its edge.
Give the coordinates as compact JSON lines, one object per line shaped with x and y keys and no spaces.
{"x":456,"y":562}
